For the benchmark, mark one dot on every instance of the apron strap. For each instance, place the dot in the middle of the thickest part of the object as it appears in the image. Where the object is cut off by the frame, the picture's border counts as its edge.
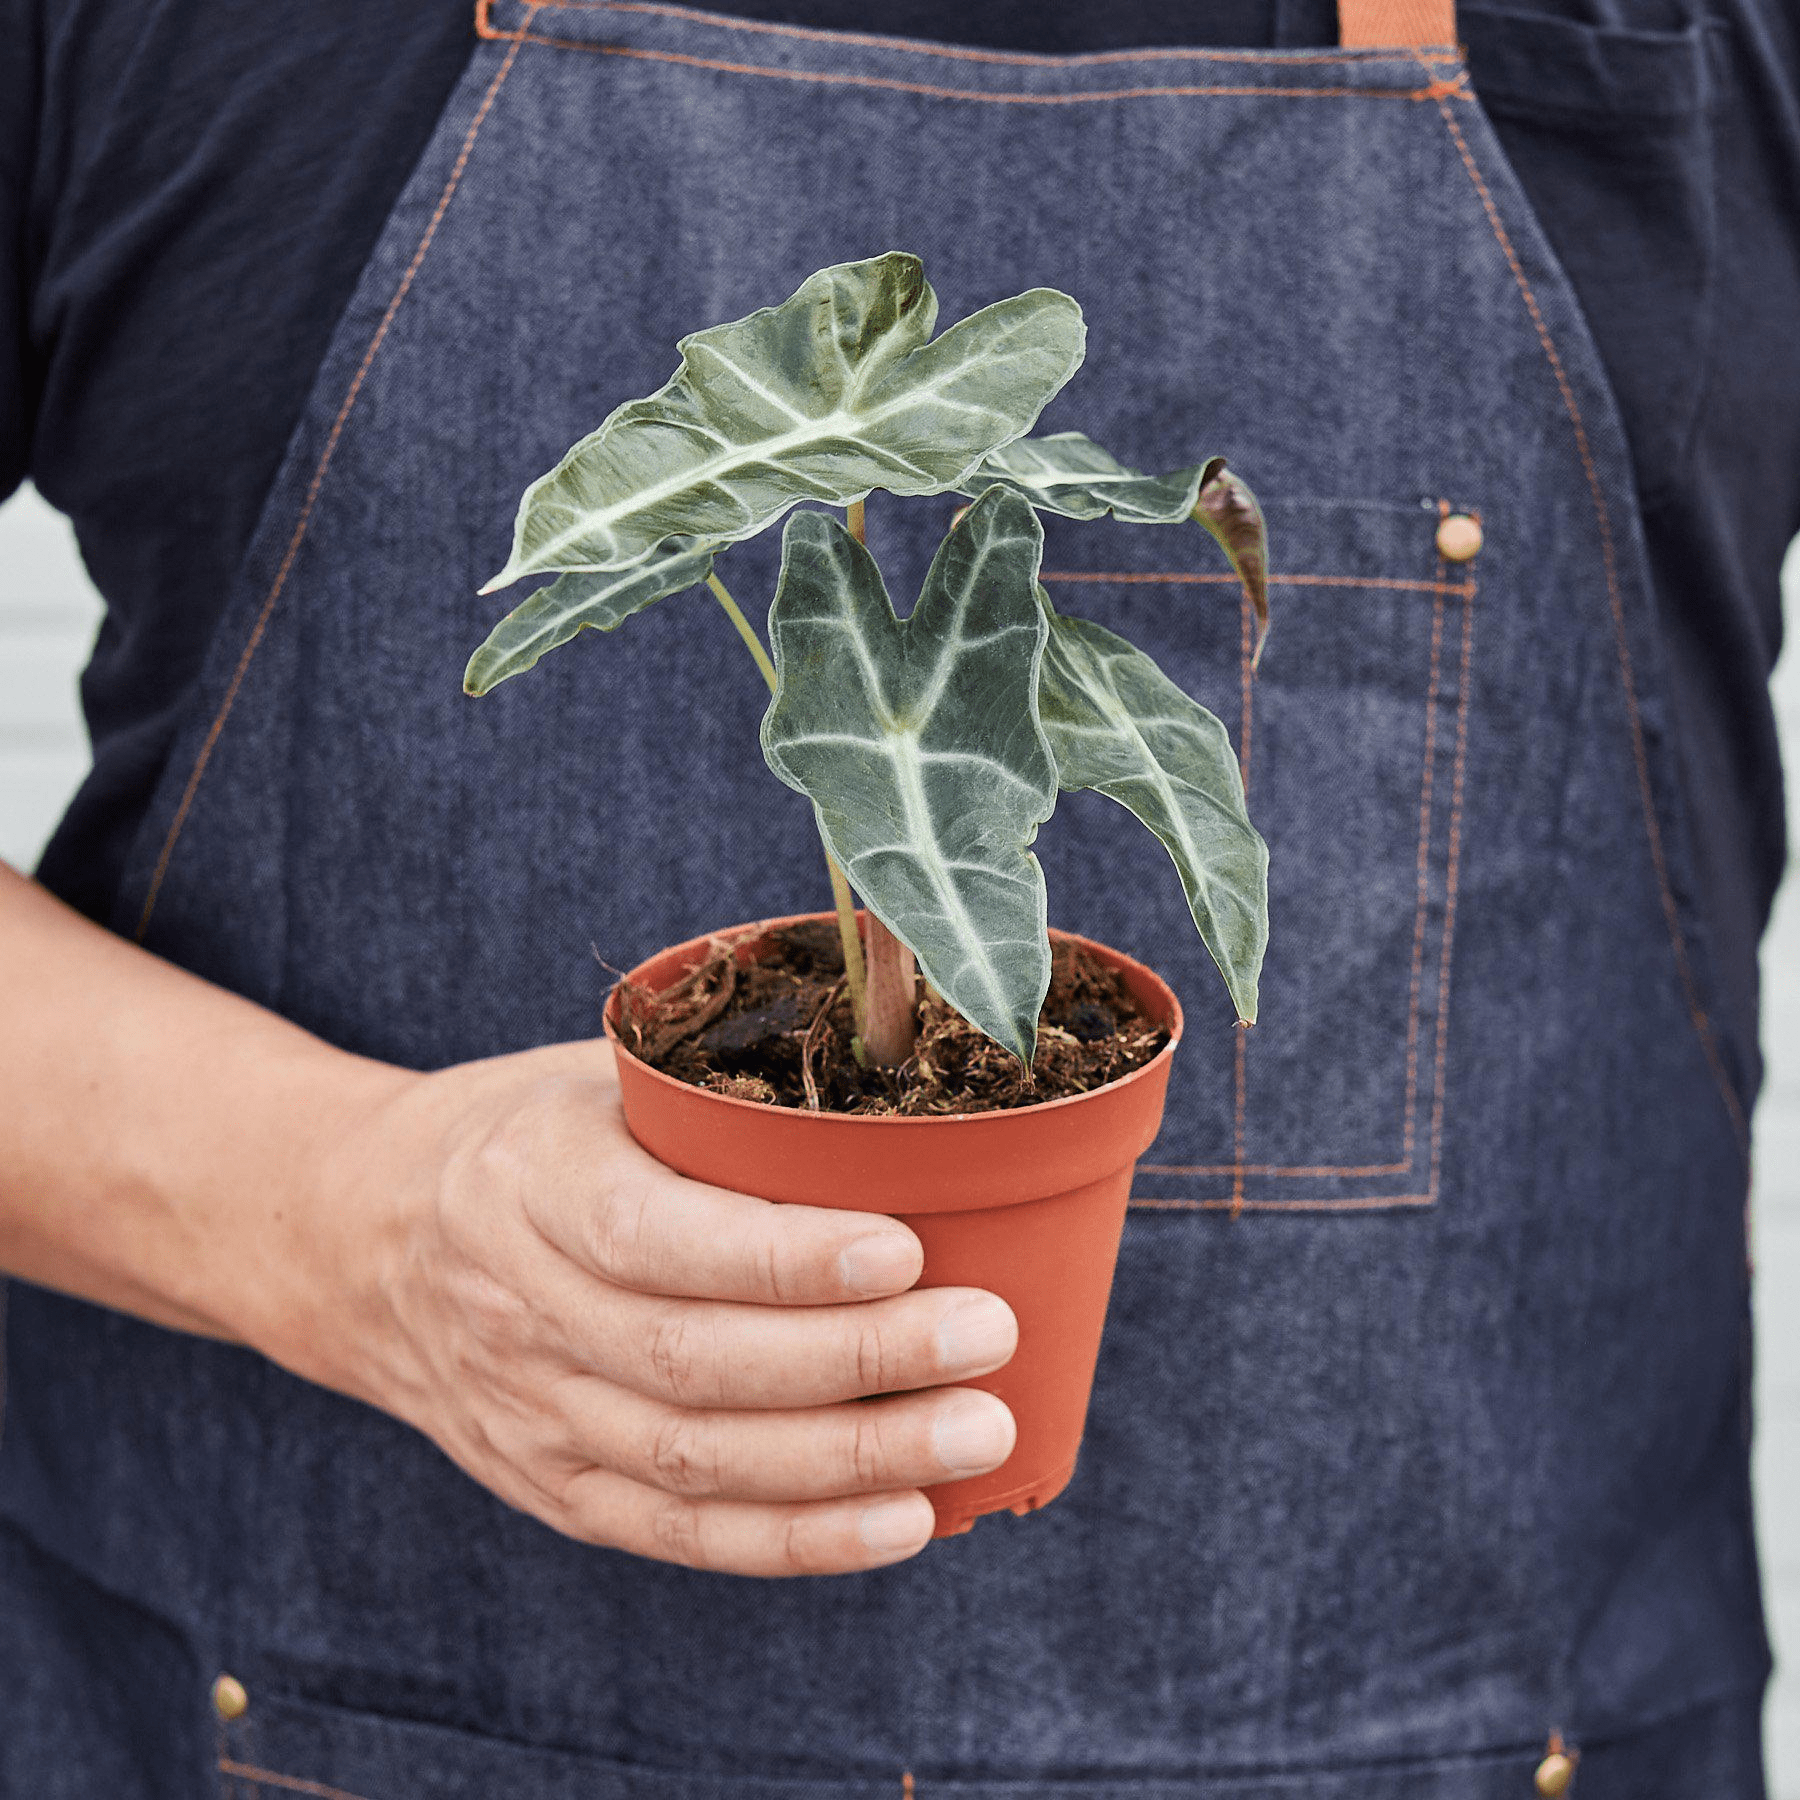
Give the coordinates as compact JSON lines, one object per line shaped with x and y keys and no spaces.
{"x":1396,"y":24}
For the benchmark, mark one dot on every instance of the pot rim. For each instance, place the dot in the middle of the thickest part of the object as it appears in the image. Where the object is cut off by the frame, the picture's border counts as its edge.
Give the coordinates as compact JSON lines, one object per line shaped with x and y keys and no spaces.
{"x":738,"y":934}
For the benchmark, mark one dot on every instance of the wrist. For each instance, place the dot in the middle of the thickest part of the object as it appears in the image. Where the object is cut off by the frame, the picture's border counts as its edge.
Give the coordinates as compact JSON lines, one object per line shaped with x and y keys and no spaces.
{"x":328,"y":1217}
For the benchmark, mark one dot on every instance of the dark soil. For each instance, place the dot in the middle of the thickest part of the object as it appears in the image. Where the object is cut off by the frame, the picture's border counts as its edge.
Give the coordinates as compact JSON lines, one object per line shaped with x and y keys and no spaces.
{"x":780,"y":1032}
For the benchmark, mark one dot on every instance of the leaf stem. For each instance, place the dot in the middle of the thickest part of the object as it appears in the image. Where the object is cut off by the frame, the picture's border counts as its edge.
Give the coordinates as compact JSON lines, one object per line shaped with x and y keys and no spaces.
{"x":886,"y":1019}
{"x":841,"y":895}
{"x":893,"y":1027}
{"x":745,"y":629}
{"x":851,"y":939}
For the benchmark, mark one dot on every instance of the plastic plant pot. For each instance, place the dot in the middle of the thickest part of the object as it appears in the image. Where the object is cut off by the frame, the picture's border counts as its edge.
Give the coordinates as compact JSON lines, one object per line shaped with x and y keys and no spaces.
{"x":1027,"y":1203}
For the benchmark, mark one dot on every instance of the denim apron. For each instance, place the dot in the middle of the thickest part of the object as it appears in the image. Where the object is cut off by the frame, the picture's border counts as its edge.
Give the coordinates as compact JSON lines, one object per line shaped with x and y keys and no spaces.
{"x":1418,"y":1443}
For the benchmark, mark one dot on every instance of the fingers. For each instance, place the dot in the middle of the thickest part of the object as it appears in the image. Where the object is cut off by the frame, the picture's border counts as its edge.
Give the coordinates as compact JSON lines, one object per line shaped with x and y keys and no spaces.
{"x":824,"y":1453}
{"x":671,"y":1368}
{"x":735,"y":1537}
{"x":705,"y":1353}
{"x":656,"y":1232}
{"x":606,"y":1203}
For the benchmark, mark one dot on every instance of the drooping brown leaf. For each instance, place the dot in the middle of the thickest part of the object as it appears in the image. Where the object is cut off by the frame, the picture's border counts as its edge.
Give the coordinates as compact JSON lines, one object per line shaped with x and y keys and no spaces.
{"x":1228,"y":509}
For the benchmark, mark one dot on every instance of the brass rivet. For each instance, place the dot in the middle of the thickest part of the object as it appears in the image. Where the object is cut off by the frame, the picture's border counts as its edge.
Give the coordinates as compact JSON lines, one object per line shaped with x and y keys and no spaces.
{"x":1459,"y":538}
{"x":229,"y":1699}
{"x":1557,"y":1769}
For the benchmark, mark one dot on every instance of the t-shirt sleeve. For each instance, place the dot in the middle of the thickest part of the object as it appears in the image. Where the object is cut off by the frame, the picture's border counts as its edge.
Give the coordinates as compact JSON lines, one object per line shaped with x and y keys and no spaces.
{"x":19,"y":76}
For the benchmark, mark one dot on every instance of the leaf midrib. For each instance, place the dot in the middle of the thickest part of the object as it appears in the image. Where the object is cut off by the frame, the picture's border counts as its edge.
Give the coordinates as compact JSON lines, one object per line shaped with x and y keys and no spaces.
{"x":1116,"y":710}
{"x":766,"y":450}
{"x":902,"y":749}
{"x":771,"y":449}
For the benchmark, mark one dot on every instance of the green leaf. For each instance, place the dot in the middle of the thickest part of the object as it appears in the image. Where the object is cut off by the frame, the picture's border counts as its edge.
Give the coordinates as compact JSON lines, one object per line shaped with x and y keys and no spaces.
{"x":917,"y":742}
{"x":837,"y":391}
{"x":1229,"y":510}
{"x":583,"y":602}
{"x":1069,"y":473}
{"x":1117,"y":724}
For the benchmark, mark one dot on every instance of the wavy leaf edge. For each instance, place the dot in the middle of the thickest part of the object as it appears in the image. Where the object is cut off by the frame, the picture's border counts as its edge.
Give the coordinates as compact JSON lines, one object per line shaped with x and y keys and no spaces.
{"x":882,"y":309}
{"x":552,"y":615}
{"x":1225,"y":881}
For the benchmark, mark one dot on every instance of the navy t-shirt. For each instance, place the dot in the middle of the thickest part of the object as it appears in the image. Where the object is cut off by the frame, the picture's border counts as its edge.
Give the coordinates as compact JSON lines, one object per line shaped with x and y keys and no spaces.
{"x":188,"y":189}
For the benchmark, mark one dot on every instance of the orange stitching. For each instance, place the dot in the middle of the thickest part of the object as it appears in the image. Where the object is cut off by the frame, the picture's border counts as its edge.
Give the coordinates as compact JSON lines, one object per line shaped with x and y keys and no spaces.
{"x":1246,"y":676}
{"x":1418,"y":956}
{"x":1653,"y":829}
{"x":1452,"y":877}
{"x":1235,"y":1207}
{"x":906,"y":1785}
{"x":291,"y":1784}
{"x":219,"y":1753}
{"x":1271,"y":1169}
{"x":1238,"y":1169}
{"x":1443,"y":1019}
{"x":1186,"y":578}
{"x":1239,"y":1074}
{"x":956,"y":52}
{"x":839,"y":78}
{"x":1237,"y":1123}
{"x":312,"y":495}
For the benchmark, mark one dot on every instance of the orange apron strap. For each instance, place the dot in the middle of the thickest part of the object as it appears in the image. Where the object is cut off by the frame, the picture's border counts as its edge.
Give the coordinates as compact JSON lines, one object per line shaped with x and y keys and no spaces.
{"x":1396,"y":24}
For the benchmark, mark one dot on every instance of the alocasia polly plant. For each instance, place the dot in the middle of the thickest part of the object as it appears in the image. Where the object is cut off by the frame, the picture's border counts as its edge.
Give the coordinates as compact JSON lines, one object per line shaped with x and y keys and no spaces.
{"x":932,"y":747}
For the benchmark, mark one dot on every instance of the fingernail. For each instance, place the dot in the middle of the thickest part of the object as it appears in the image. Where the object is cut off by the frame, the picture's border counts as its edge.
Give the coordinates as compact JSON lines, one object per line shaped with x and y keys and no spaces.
{"x":973,"y":1435}
{"x":879,"y":1263}
{"x":977,"y":1336}
{"x":897,"y":1524}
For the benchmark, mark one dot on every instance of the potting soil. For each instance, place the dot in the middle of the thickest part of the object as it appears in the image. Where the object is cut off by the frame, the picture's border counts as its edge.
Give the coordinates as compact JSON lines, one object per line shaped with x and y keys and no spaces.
{"x":780,"y":1031}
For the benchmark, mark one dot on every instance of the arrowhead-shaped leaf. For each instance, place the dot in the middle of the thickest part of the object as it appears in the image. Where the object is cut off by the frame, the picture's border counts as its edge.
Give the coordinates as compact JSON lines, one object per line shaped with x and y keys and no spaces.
{"x":1068,"y":473}
{"x":917,"y":742}
{"x":581,"y":602}
{"x":1117,"y":724}
{"x":837,"y":391}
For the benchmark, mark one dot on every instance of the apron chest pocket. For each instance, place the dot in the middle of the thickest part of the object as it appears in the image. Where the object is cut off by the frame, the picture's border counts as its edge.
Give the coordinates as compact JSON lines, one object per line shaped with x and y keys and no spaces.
{"x":1354,"y":736}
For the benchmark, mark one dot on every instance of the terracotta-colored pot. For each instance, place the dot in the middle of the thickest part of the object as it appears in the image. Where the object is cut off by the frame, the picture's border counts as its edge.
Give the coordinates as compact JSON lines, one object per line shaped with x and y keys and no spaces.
{"x":1029,"y":1204}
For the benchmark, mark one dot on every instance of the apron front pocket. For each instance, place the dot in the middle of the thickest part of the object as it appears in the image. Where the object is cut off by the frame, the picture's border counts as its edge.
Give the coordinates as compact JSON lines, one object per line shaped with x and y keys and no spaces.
{"x":282,"y":1747}
{"x":1353,"y":737}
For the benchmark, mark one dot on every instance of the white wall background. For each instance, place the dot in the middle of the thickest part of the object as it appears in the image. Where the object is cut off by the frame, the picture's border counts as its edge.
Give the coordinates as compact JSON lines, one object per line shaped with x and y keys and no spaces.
{"x":1777,"y":1235}
{"x":48,"y":616}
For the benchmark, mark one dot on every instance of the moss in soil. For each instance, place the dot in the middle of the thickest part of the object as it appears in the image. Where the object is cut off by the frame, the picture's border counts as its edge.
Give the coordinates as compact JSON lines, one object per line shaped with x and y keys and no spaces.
{"x":779,"y":1031}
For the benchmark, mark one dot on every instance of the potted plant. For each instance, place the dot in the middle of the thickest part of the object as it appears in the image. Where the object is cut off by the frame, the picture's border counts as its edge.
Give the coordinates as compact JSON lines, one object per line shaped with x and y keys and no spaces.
{"x":932,"y":748}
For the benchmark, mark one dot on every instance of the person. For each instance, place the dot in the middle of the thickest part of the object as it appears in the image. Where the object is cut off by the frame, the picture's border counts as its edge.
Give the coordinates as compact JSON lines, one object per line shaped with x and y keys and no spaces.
{"x":381,"y":1421}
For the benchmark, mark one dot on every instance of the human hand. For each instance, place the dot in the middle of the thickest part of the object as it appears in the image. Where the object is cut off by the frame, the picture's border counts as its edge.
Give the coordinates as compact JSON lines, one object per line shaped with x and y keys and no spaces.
{"x":636,"y":1359}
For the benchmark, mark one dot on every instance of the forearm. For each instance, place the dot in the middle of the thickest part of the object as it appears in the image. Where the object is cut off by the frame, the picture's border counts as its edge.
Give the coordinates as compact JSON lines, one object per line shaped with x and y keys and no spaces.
{"x":484,"y":1252}
{"x":159,"y":1137}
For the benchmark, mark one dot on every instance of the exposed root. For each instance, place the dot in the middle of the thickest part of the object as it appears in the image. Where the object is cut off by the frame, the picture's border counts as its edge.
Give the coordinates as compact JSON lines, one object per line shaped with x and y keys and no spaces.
{"x":653,"y":1022}
{"x":809,"y":1045}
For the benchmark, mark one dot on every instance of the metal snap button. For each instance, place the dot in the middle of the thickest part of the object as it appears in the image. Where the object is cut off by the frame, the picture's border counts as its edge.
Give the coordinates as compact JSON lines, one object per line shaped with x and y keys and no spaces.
{"x":229,"y":1698}
{"x":1459,"y":538}
{"x":1554,"y":1774}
